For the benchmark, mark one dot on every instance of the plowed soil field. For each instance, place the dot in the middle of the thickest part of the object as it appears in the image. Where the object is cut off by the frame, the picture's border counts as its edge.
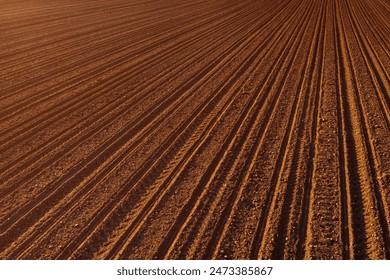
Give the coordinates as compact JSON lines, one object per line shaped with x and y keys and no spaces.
{"x":194,"y":129}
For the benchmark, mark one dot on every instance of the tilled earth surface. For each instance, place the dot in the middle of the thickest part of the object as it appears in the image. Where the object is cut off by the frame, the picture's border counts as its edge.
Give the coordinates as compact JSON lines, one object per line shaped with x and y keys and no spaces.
{"x":172,"y":129}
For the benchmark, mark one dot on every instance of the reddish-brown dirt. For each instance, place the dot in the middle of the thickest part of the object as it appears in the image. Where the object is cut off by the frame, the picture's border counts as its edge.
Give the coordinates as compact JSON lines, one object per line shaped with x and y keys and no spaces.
{"x":194,"y":129}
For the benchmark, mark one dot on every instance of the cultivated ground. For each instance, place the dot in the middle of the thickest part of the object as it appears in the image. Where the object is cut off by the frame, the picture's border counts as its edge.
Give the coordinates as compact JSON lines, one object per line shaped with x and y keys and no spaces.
{"x":194,"y":129}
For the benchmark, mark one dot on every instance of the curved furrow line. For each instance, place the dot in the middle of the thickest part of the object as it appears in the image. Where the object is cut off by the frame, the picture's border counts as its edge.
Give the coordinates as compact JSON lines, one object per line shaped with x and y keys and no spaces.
{"x":228,"y":161}
{"x":148,"y":85}
{"x":367,"y":234}
{"x":152,"y":45}
{"x":76,"y":167}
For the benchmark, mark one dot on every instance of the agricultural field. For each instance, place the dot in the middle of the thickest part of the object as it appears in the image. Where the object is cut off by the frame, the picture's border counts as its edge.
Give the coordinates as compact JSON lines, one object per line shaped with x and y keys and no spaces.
{"x":202,"y":129}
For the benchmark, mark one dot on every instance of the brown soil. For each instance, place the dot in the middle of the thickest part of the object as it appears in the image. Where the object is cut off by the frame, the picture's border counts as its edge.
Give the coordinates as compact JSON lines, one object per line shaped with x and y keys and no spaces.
{"x":195,"y":129}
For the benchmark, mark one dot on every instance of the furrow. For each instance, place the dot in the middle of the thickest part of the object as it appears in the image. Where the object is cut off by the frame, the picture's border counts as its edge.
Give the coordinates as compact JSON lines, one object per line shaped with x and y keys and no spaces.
{"x":325,"y":199}
{"x":68,"y":48}
{"x":23,"y":46}
{"x":123,"y":100}
{"x":202,"y":129}
{"x":259,"y":243}
{"x":160,"y":178}
{"x":380,"y":198}
{"x":379,"y":77}
{"x":364,"y":215}
{"x":231,"y":193}
{"x":165,"y":40}
{"x":282,"y":236}
{"x":214,"y":168}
